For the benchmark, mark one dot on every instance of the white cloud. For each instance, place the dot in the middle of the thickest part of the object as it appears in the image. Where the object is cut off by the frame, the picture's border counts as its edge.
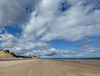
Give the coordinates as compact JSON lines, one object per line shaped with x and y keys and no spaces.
{"x":50,"y":53}
{"x":88,"y":50}
{"x":9,"y":40}
{"x":46,"y":22}
{"x":75,"y":24}
{"x":14,"y":11}
{"x":20,"y":44}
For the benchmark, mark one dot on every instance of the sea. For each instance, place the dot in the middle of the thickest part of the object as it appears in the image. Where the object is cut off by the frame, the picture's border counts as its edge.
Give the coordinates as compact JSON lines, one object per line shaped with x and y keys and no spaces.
{"x":93,"y":61}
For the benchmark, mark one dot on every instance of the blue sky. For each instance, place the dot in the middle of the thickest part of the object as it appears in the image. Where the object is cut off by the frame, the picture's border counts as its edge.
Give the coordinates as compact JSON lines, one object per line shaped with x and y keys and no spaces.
{"x":51,"y":29}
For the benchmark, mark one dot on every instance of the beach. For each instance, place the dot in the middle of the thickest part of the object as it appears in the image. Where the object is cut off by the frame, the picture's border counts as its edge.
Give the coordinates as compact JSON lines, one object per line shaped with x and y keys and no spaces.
{"x":43,"y":67}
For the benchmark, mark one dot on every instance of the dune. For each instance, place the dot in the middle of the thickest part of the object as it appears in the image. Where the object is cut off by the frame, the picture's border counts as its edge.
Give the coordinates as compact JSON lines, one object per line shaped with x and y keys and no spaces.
{"x":6,"y":54}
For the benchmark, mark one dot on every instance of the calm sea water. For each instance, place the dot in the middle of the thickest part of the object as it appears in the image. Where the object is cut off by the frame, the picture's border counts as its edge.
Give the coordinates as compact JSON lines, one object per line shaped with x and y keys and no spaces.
{"x":95,"y":61}
{"x":79,"y":58}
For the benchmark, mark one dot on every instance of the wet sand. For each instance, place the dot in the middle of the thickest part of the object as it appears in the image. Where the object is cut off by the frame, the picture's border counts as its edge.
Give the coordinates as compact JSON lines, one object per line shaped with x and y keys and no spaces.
{"x":47,"y":68}
{"x":85,"y":61}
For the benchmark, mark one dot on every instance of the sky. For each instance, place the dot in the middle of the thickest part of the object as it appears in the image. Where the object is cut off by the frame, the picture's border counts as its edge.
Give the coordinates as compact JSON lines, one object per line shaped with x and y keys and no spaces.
{"x":51,"y":28}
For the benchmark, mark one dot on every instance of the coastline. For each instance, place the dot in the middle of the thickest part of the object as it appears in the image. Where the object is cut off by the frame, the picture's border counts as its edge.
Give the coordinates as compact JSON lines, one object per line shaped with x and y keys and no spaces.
{"x":47,"y":67}
{"x":84,"y":61}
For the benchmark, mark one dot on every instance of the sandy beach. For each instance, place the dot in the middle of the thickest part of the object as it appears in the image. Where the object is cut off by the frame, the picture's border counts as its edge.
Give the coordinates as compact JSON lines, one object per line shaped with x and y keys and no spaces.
{"x":47,"y":68}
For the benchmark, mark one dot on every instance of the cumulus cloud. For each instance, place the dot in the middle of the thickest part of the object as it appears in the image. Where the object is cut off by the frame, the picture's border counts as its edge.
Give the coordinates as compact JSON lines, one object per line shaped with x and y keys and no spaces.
{"x":8,"y":40}
{"x":13,"y":12}
{"x":69,"y":25}
{"x":88,"y":50}
{"x":46,"y":20}
{"x":75,"y":24}
{"x":51,"y":53}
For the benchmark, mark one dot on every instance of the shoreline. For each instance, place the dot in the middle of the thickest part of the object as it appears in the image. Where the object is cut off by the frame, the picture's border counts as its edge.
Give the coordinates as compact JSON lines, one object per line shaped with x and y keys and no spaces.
{"x":46,"y":67}
{"x":83,"y":61}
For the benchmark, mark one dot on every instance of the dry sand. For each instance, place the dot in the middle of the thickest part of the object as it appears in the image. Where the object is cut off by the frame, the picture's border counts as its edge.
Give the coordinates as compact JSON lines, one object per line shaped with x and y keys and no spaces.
{"x":6,"y":55}
{"x":47,"y":68}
